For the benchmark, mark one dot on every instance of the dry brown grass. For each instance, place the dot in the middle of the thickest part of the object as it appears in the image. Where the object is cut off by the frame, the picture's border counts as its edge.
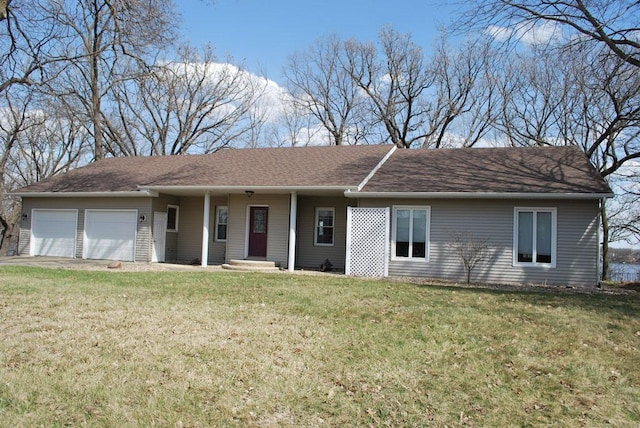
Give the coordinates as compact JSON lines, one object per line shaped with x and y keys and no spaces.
{"x":201,"y":349}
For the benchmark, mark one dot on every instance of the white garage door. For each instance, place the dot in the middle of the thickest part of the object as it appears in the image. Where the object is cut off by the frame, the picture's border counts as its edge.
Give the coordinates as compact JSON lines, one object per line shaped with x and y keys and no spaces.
{"x":53,"y":233}
{"x":110,"y":234}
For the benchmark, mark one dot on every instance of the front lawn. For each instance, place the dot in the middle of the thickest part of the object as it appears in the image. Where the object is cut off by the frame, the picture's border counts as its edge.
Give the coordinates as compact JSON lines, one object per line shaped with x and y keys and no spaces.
{"x":202,"y":349}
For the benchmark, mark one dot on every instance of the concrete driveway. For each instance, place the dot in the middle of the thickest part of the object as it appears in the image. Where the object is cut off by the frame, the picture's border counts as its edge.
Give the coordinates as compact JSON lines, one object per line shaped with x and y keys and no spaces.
{"x":82,"y":264}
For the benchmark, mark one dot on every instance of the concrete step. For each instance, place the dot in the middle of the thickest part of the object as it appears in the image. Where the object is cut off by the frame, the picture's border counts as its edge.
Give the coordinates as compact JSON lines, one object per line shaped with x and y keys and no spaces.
{"x":251,"y":265}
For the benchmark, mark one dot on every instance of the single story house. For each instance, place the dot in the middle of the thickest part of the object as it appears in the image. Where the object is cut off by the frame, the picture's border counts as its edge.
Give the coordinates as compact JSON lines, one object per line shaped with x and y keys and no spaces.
{"x":371,"y":210}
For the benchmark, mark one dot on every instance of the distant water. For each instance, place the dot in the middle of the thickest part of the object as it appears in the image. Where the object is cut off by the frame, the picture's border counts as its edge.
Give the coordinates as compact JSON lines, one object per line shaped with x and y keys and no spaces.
{"x":624,"y":272}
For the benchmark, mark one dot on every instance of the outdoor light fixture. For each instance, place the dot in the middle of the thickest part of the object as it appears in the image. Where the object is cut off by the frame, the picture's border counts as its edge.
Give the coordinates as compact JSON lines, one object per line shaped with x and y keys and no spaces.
{"x":25,"y":216}
{"x":142,"y":218}
{"x":249,"y":193}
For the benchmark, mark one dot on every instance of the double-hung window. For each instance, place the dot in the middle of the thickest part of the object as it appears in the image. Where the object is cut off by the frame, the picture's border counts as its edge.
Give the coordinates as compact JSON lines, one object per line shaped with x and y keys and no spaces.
{"x":535,"y":237}
{"x":325,"y":218}
{"x":410,"y":238}
{"x":222,"y":217}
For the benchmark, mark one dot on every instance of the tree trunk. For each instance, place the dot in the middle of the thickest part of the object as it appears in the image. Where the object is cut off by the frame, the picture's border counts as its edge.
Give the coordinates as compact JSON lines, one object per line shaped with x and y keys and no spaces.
{"x":95,"y":95}
{"x":605,"y":241}
{"x":3,"y":232}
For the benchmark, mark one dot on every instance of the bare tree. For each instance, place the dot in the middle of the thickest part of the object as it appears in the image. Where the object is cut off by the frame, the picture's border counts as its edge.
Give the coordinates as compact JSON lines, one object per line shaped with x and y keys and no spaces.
{"x":355,"y":90}
{"x":49,"y":144}
{"x":27,"y":51}
{"x":193,"y":104}
{"x":102,"y":38}
{"x":11,"y":124}
{"x":538,"y":99}
{"x":295,"y":126}
{"x":470,"y":248}
{"x":462,"y":105}
{"x":319,"y":83}
{"x":624,"y":218}
{"x":395,"y":82}
{"x":612,"y":24}
{"x":37,"y":142}
{"x":28,"y":45}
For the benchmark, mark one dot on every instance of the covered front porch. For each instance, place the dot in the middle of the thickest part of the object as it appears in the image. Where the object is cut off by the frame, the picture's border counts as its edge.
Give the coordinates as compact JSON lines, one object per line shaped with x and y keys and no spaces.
{"x":218,"y":226}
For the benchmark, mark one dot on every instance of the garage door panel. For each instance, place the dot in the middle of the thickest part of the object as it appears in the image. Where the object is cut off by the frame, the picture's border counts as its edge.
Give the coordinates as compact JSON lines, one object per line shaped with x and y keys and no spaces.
{"x":110,"y":234}
{"x":54,"y":233}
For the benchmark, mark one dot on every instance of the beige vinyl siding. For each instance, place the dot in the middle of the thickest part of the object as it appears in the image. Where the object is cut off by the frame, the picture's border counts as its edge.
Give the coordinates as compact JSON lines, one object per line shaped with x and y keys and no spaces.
{"x":189,"y":235}
{"x":309,"y":255}
{"x":278,"y":226}
{"x":577,"y":246}
{"x":142,"y":205}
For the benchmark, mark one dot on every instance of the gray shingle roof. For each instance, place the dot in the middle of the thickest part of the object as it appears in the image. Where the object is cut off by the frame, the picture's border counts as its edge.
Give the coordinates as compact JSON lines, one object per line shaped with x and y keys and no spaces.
{"x":343,"y":166}
{"x":563,"y":169}
{"x":486,"y":170}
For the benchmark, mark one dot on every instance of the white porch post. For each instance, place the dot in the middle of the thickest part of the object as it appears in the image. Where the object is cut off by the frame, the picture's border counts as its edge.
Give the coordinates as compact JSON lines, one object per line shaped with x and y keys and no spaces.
{"x":293,"y":215}
{"x":205,"y":229}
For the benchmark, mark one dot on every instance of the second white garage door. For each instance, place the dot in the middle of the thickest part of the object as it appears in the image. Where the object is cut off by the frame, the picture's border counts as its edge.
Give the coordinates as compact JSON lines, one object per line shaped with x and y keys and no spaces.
{"x":110,"y":234}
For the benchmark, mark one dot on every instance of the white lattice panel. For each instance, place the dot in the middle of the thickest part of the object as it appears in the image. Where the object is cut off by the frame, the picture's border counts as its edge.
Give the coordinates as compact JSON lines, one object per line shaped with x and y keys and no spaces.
{"x":367,"y":241}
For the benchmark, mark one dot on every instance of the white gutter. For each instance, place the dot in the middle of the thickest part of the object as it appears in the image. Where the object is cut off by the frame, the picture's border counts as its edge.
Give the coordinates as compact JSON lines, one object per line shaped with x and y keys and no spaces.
{"x":121,"y":194}
{"x":242,"y":189}
{"x":377,"y":167}
{"x":475,"y":195}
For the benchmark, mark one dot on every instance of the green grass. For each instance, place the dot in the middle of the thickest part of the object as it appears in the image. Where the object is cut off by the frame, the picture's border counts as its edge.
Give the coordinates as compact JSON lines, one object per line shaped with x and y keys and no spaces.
{"x":229,"y":349}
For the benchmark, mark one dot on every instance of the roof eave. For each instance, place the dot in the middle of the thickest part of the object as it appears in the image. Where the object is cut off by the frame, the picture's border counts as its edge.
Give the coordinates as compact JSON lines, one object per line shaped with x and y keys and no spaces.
{"x":116,"y":194}
{"x":476,"y":195}
{"x":242,"y":189}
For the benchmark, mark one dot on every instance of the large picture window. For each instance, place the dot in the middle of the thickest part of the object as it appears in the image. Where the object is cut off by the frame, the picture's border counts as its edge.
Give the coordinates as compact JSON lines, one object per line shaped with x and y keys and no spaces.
{"x":222,"y":214}
{"x":325,"y":218}
{"x":535,"y":236}
{"x":411,"y":232}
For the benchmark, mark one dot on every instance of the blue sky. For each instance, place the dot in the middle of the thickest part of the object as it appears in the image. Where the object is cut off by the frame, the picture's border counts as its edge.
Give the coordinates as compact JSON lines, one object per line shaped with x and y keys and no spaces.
{"x":261,"y":34}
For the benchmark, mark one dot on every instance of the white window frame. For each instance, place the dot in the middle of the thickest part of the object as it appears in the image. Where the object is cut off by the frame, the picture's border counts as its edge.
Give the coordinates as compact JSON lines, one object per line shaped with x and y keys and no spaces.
{"x":394,"y":220}
{"x":316,"y":225}
{"x":218,"y":208}
{"x":554,"y":237}
{"x":177,"y":208}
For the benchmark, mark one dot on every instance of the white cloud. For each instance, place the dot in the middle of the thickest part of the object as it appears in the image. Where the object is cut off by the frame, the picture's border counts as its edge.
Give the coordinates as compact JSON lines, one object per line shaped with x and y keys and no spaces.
{"x":274,"y":98}
{"x":527,"y":33}
{"x":499,"y":34}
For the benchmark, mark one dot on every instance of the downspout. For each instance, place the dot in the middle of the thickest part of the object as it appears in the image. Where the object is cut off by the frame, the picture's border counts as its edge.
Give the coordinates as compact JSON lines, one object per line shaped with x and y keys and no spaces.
{"x":293,"y":214}
{"x":205,"y":229}
{"x":604,"y":221}
{"x":598,"y":237}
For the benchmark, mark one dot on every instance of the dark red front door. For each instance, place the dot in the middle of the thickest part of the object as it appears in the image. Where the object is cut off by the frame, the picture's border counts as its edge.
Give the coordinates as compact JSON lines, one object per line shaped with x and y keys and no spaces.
{"x":258,"y":217}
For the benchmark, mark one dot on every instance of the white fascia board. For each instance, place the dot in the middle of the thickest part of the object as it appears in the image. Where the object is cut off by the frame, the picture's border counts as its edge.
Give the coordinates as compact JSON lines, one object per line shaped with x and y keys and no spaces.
{"x":123,"y":194}
{"x":242,"y":189}
{"x":476,"y":195}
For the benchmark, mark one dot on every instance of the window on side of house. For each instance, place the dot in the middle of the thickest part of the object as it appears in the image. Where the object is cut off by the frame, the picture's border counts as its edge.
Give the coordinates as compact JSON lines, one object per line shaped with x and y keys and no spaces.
{"x":172,"y":218}
{"x":325,"y":226}
{"x":222,"y":215}
{"x":410,"y":233}
{"x":535,"y":237}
